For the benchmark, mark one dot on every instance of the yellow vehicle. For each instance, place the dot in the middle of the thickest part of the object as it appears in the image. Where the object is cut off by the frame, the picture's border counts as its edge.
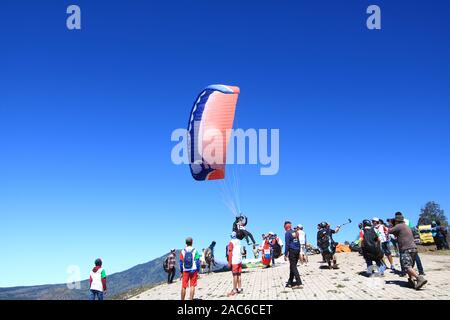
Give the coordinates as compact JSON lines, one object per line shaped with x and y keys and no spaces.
{"x":425,"y":234}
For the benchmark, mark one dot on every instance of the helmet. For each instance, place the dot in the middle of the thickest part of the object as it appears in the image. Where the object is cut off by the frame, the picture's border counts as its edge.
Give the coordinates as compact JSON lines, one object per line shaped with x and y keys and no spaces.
{"x":367,"y":223}
{"x":233,"y":235}
{"x":323,"y":224}
{"x":360,"y":225}
{"x":375,"y":219}
{"x":271,"y":233}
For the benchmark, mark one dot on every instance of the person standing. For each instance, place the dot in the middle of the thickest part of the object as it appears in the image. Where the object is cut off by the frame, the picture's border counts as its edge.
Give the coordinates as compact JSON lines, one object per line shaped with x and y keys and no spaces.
{"x":171,"y":260}
{"x":392,"y":238}
{"x":292,"y":252}
{"x":235,"y":263}
{"x":189,"y":267}
{"x":303,"y":243}
{"x":227,"y":250}
{"x":371,"y":247}
{"x":97,"y":281}
{"x":211,"y":247}
{"x":276,"y":246}
{"x":434,"y":234}
{"x":384,"y":240}
{"x":442,"y":234}
{"x":417,"y":257}
{"x":408,"y":250}
{"x":326,"y":243}
{"x":266,"y":251}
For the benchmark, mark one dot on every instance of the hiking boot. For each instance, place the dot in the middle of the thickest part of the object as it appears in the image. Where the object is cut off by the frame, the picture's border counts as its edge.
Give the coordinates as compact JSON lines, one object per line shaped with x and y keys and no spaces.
{"x":411,"y":283}
{"x":422,"y":274}
{"x":298,"y":286}
{"x":288,"y":285}
{"x":335,"y":266}
{"x":421,"y":281}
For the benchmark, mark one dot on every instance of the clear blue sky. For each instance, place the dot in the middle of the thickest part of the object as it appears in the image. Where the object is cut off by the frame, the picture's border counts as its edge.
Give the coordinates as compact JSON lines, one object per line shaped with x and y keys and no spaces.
{"x":86,"y":119}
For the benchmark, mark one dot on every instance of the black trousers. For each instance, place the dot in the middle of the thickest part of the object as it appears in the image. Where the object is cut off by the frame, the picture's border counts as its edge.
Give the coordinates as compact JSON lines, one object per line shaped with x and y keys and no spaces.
{"x":171,"y":275}
{"x":445,"y":243}
{"x":438,"y":243}
{"x":244,"y":234}
{"x":294,"y":255}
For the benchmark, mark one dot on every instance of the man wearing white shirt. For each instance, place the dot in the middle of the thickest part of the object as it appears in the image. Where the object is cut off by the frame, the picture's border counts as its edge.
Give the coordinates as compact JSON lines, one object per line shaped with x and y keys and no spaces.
{"x":302,"y":240}
{"x":235,"y":263}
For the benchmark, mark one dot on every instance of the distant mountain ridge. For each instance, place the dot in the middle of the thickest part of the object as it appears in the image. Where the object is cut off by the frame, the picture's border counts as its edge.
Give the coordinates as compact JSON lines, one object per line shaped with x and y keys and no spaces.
{"x":142,"y":275}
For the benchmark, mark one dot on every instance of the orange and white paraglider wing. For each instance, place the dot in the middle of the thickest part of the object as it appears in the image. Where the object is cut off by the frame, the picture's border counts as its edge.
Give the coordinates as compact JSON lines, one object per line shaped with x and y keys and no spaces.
{"x":209,"y":129}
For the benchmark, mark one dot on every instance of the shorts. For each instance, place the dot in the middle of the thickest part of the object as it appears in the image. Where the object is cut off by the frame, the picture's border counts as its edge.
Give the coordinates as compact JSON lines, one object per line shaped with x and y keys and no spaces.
{"x":303,"y":249}
{"x":189,"y":279}
{"x":408,"y":258}
{"x":385,"y":248}
{"x":236,"y":269}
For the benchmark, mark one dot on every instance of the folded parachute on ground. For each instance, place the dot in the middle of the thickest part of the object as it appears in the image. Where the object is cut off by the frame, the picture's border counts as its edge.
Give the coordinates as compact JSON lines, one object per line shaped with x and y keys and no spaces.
{"x":209,"y":128}
{"x":343,"y":248}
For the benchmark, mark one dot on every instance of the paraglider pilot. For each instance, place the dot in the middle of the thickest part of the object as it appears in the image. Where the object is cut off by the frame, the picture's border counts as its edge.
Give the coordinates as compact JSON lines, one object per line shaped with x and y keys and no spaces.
{"x":241,"y":232}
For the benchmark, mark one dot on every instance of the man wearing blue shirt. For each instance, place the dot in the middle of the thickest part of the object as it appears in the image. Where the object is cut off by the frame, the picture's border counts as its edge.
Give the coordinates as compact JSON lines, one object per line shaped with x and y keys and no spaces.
{"x":292,"y":252}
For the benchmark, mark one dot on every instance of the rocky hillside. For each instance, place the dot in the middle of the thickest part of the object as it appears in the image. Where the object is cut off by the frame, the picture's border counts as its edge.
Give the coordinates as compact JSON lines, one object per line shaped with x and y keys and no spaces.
{"x":135,"y":279}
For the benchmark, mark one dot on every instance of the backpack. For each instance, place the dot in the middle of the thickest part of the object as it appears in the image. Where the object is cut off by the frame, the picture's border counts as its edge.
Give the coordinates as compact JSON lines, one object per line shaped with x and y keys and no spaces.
{"x":188,"y":259}
{"x":371,"y":248}
{"x":276,"y":249}
{"x":323,"y":240}
{"x":166,"y":264}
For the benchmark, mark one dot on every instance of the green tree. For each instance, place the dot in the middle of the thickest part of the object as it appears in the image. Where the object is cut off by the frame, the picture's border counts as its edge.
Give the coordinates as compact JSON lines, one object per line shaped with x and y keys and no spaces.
{"x":432,"y":212}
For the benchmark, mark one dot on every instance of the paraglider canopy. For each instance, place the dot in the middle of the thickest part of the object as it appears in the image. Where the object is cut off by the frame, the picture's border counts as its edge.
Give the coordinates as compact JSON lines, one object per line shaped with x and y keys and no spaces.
{"x":209,"y":131}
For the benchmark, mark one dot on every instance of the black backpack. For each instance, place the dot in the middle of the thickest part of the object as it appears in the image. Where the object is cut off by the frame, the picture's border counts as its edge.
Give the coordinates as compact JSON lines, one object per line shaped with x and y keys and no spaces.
{"x":166,"y":264}
{"x":371,"y":246}
{"x":276,"y":250}
{"x":323,"y":240}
